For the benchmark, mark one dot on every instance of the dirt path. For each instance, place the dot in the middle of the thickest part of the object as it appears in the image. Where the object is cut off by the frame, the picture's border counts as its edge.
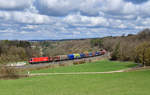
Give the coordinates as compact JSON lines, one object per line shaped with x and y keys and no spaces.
{"x":76,"y":73}
{"x":83,"y":73}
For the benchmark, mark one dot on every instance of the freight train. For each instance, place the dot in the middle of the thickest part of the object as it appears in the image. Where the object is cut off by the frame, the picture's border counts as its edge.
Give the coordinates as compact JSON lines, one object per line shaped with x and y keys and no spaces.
{"x":66,"y":57}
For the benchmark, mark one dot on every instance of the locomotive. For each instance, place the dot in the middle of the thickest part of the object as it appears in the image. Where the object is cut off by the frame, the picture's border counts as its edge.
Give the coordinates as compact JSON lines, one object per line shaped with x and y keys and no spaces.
{"x":66,"y":57}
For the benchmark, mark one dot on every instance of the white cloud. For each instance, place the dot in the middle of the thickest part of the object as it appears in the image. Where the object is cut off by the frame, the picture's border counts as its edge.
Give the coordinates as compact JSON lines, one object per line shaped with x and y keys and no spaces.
{"x":79,"y":20}
{"x":126,"y":9}
{"x":56,"y":7}
{"x":65,"y":7}
{"x":24,"y":17}
{"x":15,"y":4}
{"x":144,"y":9}
{"x":30,"y":27}
{"x":71,"y":18}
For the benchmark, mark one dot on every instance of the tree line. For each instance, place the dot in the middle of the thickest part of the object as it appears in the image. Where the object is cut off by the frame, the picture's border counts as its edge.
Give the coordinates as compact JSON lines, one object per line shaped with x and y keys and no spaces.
{"x":124,"y":48}
{"x":127,"y":48}
{"x":14,"y":51}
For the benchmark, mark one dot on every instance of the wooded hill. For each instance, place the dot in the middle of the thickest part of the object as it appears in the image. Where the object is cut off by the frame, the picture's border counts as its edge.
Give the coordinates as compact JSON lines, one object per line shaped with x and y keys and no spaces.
{"x":129,"y":48}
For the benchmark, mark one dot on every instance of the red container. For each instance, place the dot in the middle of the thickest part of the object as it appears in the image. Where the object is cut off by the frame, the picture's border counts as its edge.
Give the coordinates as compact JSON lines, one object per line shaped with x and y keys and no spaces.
{"x":50,"y":59}
{"x":93,"y":54}
{"x":63,"y":57}
{"x":86,"y":55}
{"x":56,"y":58}
{"x":103,"y":52}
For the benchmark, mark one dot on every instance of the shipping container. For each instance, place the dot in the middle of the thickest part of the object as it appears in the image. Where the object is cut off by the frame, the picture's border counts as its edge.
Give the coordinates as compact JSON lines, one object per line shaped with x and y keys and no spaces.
{"x":70,"y":56}
{"x":77,"y":56}
{"x":97,"y":53}
{"x":82,"y":55}
{"x":90,"y":54}
{"x":63,"y":57}
{"x":86,"y":54}
{"x":56,"y":58}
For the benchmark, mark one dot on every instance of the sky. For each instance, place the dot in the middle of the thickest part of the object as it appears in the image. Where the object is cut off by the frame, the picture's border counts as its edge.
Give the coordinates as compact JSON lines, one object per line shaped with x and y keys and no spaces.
{"x":71,"y":19}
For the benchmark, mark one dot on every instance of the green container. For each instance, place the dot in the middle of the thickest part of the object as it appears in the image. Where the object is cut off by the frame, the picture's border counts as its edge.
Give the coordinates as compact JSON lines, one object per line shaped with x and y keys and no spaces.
{"x":77,"y":55}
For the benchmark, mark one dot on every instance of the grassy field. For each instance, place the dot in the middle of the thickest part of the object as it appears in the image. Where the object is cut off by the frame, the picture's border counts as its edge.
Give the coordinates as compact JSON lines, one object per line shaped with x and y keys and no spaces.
{"x":99,"y":66}
{"x":125,"y":83}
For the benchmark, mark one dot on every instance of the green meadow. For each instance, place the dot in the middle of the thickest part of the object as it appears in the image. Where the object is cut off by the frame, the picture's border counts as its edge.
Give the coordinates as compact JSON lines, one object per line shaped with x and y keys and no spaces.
{"x":99,"y":66}
{"x":125,"y":83}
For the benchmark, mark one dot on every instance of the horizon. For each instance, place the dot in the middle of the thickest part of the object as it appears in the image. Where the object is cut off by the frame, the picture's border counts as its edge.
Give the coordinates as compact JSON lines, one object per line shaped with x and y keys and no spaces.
{"x":66,"y":38}
{"x":69,"y":19}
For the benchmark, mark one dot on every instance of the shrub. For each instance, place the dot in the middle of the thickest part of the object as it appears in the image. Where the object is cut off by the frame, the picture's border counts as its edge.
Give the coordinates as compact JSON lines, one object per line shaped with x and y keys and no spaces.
{"x":78,"y":62}
{"x":8,"y":72}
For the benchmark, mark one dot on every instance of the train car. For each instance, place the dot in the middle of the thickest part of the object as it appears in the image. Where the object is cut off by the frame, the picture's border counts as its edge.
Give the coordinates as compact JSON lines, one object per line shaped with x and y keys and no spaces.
{"x":93,"y":54}
{"x":82,"y":55}
{"x":70,"y":56}
{"x":86,"y":55}
{"x":77,"y":56}
{"x":40,"y":60}
{"x":97,"y":53}
{"x":103,"y":52}
{"x":56,"y":58}
{"x":90,"y":54}
{"x":63,"y":57}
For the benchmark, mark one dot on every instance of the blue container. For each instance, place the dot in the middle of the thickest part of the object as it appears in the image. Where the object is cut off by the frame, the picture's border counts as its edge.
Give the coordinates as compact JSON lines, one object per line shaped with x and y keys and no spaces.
{"x":97,"y":53}
{"x":71,"y":56}
{"x":90,"y":54}
{"x":82,"y":55}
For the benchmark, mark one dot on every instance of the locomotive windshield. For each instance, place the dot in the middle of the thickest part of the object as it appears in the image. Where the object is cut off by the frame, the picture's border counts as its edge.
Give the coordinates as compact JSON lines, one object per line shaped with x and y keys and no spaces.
{"x":31,"y":59}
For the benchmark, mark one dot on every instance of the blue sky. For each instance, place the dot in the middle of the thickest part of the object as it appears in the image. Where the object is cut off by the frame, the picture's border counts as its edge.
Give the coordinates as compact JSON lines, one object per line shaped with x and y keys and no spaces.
{"x":70,"y":19}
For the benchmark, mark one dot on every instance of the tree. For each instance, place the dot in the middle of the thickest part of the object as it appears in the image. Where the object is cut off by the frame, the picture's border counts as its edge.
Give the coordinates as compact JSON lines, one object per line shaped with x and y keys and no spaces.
{"x":97,"y":42}
{"x":115,"y":53}
{"x":143,"y":53}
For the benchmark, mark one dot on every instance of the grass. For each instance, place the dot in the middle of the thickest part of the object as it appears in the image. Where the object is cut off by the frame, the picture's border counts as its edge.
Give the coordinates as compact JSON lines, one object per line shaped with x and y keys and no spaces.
{"x":127,"y":83}
{"x":99,"y":66}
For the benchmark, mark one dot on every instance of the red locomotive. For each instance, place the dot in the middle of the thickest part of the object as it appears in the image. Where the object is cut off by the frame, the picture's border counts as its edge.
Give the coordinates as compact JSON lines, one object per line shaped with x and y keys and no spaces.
{"x":40,"y":59}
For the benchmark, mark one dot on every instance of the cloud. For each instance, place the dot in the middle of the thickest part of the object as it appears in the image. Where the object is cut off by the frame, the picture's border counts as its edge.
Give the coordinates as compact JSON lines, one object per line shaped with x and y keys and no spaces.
{"x":122,"y":8}
{"x":136,"y":1}
{"x":55,"y":7}
{"x":14,"y":4}
{"x":24,"y":17}
{"x":79,"y":20}
{"x":65,"y":7}
{"x":57,"y":19}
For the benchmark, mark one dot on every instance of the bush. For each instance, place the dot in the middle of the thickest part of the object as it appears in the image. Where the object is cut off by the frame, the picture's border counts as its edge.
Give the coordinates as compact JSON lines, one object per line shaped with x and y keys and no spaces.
{"x":78,"y":62}
{"x":8,"y":72}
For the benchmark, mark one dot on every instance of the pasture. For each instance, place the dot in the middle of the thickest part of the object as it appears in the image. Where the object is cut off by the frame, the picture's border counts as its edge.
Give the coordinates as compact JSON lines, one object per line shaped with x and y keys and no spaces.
{"x":99,"y":66}
{"x":125,"y":83}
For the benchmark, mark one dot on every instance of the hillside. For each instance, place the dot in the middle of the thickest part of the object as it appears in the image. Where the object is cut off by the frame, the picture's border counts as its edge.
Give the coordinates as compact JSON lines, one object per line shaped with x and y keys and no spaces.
{"x":67,"y":47}
{"x":121,"y":47}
